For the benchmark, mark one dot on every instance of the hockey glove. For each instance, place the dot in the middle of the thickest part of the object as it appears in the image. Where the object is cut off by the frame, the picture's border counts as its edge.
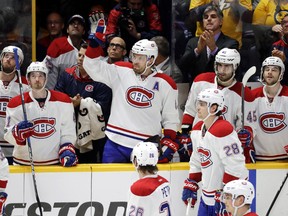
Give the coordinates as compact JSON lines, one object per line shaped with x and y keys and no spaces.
{"x":67,"y":155}
{"x":183,"y":153}
{"x":22,"y":131}
{"x":3,"y":197}
{"x":168,"y":149}
{"x":190,"y":192}
{"x":98,"y":28}
{"x":245,"y":136}
{"x":185,"y":139}
{"x":219,"y":207}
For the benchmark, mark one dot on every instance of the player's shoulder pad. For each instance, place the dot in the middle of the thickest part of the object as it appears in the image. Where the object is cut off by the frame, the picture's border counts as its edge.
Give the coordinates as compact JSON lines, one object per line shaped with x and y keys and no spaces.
{"x":198,"y":126}
{"x":59,"y":96}
{"x":258,"y":92}
{"x":16,"y":101}
{"x":58,"y":47}
{"x":221,"y":128}
{"x":146,"y":186}
{"x":248,"y":93}
{"x":167,"y":78}
{"x":284,"y":91}
{"x":124,"y":64}
{"x":207,"y":77}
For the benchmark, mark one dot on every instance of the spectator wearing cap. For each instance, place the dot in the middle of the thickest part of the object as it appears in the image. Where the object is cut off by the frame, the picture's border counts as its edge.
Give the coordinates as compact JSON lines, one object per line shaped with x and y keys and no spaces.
{"x":62,"y":52}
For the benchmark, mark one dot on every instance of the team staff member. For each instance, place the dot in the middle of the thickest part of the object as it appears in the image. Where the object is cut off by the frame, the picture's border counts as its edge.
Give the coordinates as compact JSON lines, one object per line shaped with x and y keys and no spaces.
{"x":143,"y":101}
{"x":50,"y":123}
{"x":9,"y":87}
{"x":150,"y":195}
{"x":217,"y":157}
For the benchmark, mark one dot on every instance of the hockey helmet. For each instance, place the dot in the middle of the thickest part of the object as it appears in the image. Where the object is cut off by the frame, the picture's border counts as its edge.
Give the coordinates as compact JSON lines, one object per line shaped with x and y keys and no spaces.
{"x":212,"y":96}
{"x":238,"y":188}
{"x":10,"y":49}
{"x":37,"y":66}
{"x":273,"y":61}
{"x":227,"y":56}
{"x":145,"y":153}
{"x":146,"y":47}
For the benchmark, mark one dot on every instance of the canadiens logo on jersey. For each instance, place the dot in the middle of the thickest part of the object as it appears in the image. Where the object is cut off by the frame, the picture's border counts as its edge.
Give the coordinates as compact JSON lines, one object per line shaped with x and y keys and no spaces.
{"x":272,"y":122}
{"x":44,"y":127}
{"x":205,"y":157}
{"x":139,"y":97}
{"x":3,"y":105}
{"x":89,"y":88}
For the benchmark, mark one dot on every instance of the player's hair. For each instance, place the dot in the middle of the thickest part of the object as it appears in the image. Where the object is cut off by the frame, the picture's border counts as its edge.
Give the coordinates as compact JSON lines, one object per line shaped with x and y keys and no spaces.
{"x":149,"y":168}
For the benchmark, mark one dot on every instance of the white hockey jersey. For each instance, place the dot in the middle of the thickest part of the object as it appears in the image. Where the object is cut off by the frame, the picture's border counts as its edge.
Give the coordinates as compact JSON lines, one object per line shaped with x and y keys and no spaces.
{"x":54,"y":125}
{"x":140,"y":108}
{"x":150,"y":196}
{"x":218,"y":156}
{"x":6,"y":93}
{"x":4,"y":171}
{"x":233,"y":99}
{"x":272,"y":130}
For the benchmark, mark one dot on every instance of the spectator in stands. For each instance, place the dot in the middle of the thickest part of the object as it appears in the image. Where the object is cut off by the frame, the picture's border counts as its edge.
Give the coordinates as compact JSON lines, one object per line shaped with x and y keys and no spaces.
{"x":280,"y":47}
{"x":95,"y":98}
{"x":9,"y":87}
{"x":133,"y":20}
{"x":163,"y":61}
{"x":272,"y":107}
{"x":62,"y":52}
{"x":226,"y":63}
{"x":49,"y":125}
{"x":201,"y":51}
{"x":116,"y":51}
{"x":54,"y":26}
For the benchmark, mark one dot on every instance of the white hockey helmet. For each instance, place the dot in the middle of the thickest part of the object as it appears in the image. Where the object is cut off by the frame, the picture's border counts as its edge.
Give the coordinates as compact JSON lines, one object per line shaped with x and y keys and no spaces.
{"x":240,"y":187}
{"x":227,"y":56}
{"x":145,"y":153}
{"x":10,"y":49}
{"x":212,"y":96}
{"x":273,"y":61}
{"x":37,"y":66}
{"x":145,"y":47}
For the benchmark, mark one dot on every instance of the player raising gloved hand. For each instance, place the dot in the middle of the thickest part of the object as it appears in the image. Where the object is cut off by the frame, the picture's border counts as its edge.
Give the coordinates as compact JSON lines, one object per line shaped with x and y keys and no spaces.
{"x":245,"y":136}
{"x":168,"y":149}
{"x":67,"y":155}
{"x":190,"y":192}
{"x":97,"y":29}
{"x":22,"y":131}
{"x":185,"y":139}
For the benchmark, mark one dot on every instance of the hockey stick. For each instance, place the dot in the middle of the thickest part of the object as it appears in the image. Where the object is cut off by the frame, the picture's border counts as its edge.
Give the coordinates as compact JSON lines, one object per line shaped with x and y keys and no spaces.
{"x":188,"y":207}
{"x":276,"y":196}
{"x":28,"y":139}
{"x":246,"y":77}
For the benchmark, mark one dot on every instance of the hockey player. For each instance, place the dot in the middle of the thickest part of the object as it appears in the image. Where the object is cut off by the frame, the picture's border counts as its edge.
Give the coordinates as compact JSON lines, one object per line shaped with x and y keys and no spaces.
{"x":150,"y":195}
{"x":226,"y":62}
{"x":272,"y":107}
{"x":217,"y":157}
{"x":238,"y":195}
{"x":143,"y":100}
{"x":4,"y":174}
{"x":9,"y":87}
{"x":50,"y":132}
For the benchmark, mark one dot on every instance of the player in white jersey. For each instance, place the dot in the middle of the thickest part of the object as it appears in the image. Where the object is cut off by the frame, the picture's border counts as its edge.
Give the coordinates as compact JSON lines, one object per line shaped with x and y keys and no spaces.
{"x":217,"y":157}
{"x":150,"y":195}
{"x":144,"y":101}
{"x":238,"y":196}
{"x":4,"y":174}
{"x":226,"y":63}
{"x":272,"y":107}
{"x":50,"y":125}
{"x":9,"y":87}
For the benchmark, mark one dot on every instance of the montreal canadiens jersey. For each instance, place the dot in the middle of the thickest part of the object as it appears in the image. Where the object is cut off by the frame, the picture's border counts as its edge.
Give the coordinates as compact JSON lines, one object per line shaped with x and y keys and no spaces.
{"x":6,"y":93}
{"x":218,"y":156}
{"x":233,"y":99}
{"x":272,"y":130}
{"x":140,"y":108}
{"x":149,"y":196}
{"x":54,"y":125}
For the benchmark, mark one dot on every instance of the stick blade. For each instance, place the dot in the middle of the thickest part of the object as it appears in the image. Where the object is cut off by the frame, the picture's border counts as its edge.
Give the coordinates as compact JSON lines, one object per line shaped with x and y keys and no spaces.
{"x":248,"y":74}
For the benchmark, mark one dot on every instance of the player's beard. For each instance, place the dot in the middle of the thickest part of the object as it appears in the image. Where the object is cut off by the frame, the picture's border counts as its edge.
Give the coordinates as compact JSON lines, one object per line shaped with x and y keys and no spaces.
{"x":8,"y":70}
